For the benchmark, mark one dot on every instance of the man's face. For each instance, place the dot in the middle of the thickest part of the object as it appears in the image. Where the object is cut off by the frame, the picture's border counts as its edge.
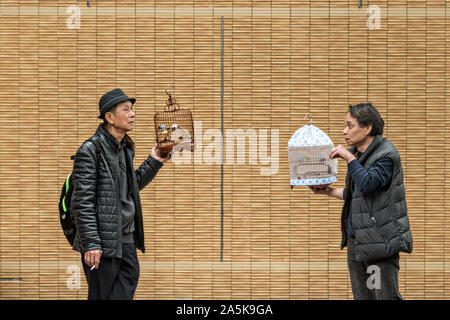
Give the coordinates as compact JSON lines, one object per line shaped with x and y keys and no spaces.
{"x":355,"y":135}
{"x":123,"y":118}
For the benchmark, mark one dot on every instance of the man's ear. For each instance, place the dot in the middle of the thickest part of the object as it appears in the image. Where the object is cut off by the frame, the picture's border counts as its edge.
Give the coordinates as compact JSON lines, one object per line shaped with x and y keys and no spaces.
{"x":368,"y":129}
{"x":108,"y":118}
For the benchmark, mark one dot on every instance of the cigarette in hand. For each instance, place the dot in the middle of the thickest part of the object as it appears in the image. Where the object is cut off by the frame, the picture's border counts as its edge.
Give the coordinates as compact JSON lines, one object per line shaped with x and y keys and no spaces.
{"x":93,"y":267}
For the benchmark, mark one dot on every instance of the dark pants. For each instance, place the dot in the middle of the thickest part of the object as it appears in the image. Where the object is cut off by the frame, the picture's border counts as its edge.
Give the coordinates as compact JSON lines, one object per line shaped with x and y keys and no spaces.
{"x":116,"y":278}
{"x":376,"y":280}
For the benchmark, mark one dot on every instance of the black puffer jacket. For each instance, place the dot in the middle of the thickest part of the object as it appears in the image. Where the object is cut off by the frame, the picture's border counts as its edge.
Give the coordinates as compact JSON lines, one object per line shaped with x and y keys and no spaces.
{"x":380,"y":219}
{"x":96,"y":201}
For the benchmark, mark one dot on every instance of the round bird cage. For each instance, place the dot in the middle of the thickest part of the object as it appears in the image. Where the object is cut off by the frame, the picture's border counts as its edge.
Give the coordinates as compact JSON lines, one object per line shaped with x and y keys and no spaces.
{"x":309,"y":162}
{"x":174,"y":128}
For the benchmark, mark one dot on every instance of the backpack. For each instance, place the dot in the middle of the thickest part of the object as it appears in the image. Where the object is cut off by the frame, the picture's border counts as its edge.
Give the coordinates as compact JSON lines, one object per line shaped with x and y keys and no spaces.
{"x":65,"y":213}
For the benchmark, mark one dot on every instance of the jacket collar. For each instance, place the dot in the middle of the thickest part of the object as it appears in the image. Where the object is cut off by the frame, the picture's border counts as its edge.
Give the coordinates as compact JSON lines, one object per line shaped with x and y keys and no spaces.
{"x":110,"y":141}
{"x":375,"y":143}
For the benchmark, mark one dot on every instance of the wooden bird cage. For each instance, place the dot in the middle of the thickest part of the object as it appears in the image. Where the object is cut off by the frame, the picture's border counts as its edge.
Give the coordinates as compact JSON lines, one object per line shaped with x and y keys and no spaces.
{"x":174,"y":128}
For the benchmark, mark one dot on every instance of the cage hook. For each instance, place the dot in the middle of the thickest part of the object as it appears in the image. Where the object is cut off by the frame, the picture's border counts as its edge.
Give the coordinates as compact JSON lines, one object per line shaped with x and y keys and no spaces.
{"x":309,"y":116}
{"x":167,"y":87}
{"x":171,"y":101}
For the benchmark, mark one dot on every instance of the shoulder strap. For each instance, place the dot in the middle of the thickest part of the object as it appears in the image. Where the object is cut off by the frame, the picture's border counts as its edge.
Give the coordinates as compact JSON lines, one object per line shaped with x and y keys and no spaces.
{"x":98,"y":149}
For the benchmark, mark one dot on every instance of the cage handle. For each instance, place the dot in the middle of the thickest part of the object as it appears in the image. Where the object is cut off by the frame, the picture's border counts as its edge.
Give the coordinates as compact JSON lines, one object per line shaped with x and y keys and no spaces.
{"x":309,"y":116}
{"x":171,"y":103}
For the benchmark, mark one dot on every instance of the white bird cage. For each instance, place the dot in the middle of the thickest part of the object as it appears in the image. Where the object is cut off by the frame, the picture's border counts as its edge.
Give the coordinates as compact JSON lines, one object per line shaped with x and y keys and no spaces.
{"x":309,"y":162}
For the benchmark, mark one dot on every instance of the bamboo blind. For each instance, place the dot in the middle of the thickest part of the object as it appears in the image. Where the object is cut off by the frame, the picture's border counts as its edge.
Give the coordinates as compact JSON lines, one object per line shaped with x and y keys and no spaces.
{"x":282,"y":60}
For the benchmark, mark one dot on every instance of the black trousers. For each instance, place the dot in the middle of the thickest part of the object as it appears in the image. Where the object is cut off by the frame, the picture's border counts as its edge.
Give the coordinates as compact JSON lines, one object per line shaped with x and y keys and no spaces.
{"x":116,"y":278}
{"x":376,"y":280}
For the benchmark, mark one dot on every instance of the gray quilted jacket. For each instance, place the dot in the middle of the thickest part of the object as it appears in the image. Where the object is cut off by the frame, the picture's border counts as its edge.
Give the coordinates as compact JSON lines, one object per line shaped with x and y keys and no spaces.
{"x":96,"y":204}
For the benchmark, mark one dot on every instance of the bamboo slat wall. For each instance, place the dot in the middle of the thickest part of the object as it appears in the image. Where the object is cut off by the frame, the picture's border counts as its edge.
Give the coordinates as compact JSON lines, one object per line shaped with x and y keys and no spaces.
{"x":282,"y":60}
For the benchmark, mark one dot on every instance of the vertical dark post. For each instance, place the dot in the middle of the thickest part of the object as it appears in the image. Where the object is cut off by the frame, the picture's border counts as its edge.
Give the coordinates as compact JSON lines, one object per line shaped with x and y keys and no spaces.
{"x":360,"y":3}
{"x":221,"y":128}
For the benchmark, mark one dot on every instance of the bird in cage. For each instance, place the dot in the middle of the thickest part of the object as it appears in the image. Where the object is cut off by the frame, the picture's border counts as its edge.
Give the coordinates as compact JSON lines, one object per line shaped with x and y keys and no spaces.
{"x":174,"y":128}
{"x":309,"y":164}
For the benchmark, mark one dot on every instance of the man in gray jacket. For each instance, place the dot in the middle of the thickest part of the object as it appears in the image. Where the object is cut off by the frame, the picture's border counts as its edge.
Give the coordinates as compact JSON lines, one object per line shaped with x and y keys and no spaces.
{"x":106,"y":203}
{"x":374,"y":222}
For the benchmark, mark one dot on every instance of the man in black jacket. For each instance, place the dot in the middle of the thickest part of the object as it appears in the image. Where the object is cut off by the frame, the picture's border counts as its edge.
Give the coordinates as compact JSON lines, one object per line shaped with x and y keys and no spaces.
{"x":374,"y":222}
{"x":106,"y":202}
